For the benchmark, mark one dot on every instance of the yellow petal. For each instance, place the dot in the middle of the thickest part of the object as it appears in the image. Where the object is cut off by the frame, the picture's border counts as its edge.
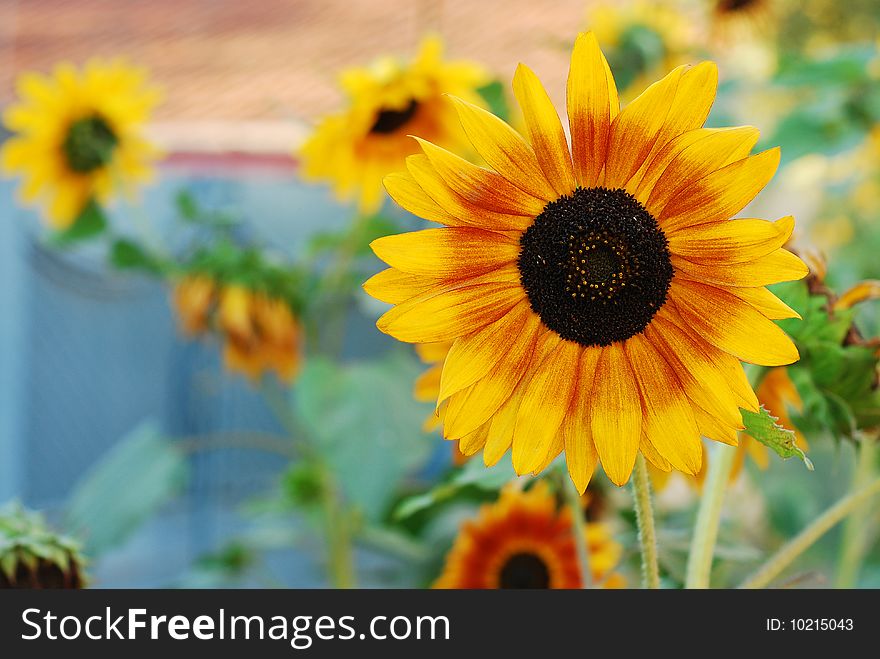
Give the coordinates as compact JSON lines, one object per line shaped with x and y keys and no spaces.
{"x":580,"y":451}
{"x":864,"y":290}
{"x":765,"y":302}
{"x":592,"y":103}
{"x":447,"y":252}
{"x":780,"y":265}
{"x":408,"y":194}
{"x":731,"y":241}
{"x":480,"y":186}
{"x":468,"y":212}
{"x":503,"y":149}
{"x":472,"y":357}
{"x":473,"y":406}
{"x":616,"y":414}
{"x":473,"y":442}
{"x":450,"y":314}
{"x":728,"y":323}
{"x":690,"y":157}
{"x":670,"y":107}
{"x":544,"y":406}
{"x":393,"y":286}
{"x":666,"y":413}
{"x":544,"y":130}
{"x":722,"y":194}
{"x":703,"y":382}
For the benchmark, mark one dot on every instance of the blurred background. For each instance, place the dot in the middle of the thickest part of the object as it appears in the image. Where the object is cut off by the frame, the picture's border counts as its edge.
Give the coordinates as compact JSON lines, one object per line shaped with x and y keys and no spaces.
{"x":90,"y":357}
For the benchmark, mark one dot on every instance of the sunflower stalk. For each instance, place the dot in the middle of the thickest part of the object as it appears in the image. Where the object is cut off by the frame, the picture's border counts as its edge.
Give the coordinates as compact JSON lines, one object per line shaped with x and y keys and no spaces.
{"x":578,"y":530}
{"x":699,"y":567}
{"x":645,"y":519}
{"x":855,"y":532}
{"x":806,"y":538}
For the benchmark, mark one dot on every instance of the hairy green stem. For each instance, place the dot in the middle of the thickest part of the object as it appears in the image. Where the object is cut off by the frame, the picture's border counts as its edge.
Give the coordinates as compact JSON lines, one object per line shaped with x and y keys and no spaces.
{"x":806,"y":538}
{"x":699,"y":567}
{"x":578,"y":530}
{"x":641,"y":487}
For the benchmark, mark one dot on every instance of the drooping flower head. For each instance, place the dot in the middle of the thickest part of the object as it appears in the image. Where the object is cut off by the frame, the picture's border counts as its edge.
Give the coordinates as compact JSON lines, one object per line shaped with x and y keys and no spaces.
{"x":260,"y":332}
{"x":524,"y":541}
{"x":77,"y":136}
{"x":600,"y":298}
{"x":389,"y":100}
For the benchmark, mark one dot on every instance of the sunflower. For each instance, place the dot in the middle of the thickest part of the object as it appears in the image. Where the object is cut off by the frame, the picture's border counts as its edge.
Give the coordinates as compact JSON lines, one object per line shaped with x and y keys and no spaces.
{"x":77,"y":136}
{"x":737,"y":19}
{"x":641,"y":39}
{"x":427,"y":388}
{"x":357,"y":147}
{"x":599,"y":300}
{"x":261,"y":334}
{"x":523,"y":541}
{"x":193,"y":297}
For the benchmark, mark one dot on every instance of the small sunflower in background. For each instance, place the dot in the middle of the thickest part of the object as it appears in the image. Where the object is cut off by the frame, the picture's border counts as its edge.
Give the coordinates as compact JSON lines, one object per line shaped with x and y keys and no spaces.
{"x":34,"y":556}
{"x":641,"y":40}
{"x":77,"y":136}
{"x":600,"y":300}
{"x":354,"y":149}
{"x":524,"y":541}
{"x":735,"y":19}
{"x":261,"y":333}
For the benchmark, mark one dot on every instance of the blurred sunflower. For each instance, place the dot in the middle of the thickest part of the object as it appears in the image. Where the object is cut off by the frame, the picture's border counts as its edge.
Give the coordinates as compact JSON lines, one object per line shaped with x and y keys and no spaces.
{"x":261,"y":334}
{"x":641,"y":40}
{"x":734,"y":19}
{"x":388,"y":101}
{"x":77,"y":136}
{"x":600,"y":301}
{"x":523,"y":541}
{"x":193,"y":297}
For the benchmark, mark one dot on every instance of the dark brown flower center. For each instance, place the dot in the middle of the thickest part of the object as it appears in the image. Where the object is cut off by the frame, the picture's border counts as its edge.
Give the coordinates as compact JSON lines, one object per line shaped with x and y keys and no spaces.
{"x":389,"y":121}
{"x":89,"y":144}
{"x":595,"y":266}
{"x":524,"y":570}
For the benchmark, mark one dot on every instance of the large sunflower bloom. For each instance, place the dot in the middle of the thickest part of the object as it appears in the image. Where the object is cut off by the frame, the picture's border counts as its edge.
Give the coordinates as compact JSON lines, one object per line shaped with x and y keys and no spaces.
{"x":77,"y":136}
{"x":600,"y":299}
{"x":523,"y":541}
{"x":390,"y":100}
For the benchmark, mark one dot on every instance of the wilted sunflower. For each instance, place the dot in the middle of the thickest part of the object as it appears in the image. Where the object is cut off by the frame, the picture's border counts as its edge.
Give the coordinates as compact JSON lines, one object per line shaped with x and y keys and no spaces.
{"x":77,"y":135}
{"x":523,"y":541}
{"x":357,"y":147}
{"x":193,"y":297}
{"x":600,"y":300}
{"x":261,"y":334}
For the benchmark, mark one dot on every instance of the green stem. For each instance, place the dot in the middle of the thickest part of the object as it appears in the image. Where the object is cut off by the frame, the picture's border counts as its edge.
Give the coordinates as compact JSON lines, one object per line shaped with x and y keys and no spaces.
{"x":338,"y":524}
{"x":578,"y":530}
{"x":805,"y":539}
{"x":853,"y":544}
{"x":699,"y":567}
{"x":641,"y":487}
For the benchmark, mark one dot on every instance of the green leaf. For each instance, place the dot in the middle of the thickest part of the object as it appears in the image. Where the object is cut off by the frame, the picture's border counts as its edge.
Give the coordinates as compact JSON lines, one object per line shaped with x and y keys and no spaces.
{"x":763,"y":427}
{"x":494,"y":96}
{"x":142,"y":472}
{"x":473,"y":473}
{"x":365,"y":425}
{"x":90,"y":223}
{"x":128,"y":255}
{"x":186,"y":206}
